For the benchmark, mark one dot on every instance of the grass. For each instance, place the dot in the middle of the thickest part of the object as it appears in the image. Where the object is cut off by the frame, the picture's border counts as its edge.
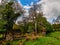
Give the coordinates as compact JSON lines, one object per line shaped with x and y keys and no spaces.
{"x":15,"y":42}
{"x":44,"y":41}
{"x":40,"y":41}
{"x":55,"y":35}
{"x":50,"y":39}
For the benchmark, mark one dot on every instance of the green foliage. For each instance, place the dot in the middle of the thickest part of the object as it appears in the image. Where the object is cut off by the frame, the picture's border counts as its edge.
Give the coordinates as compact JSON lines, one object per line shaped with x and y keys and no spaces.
{"x":43,"y":23}
{"x":1,"y":35}
{"x":15,"y":42}
{"x":56,"y":27}
{"x":8,"y":43}
{"x":49,"y":27}
{"x":9,"y":16}
{"x":30,"y":27}
{"x":7,"y":13}
{"x":2,"y":23}
{"x":2,"y":30}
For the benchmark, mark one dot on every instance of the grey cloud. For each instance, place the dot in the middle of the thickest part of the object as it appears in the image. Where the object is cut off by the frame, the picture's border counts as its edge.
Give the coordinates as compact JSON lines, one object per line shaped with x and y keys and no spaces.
{"x":51,"y":8}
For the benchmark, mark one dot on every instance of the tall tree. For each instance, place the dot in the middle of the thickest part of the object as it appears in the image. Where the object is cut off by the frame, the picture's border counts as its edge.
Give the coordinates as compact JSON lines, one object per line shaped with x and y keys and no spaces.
{"x":9,"y":15}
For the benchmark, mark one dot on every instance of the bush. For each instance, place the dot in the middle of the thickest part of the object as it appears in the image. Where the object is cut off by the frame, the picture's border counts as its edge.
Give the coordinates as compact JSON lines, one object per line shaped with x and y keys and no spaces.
{"x":1,"y":36}
{"x":8,"y":43}
{"x":2,"y":30}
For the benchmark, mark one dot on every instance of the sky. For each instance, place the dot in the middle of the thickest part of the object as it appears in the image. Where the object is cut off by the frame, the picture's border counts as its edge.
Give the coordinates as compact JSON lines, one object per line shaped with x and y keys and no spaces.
{"x":50,"y":8}
{"x":27,"y":2}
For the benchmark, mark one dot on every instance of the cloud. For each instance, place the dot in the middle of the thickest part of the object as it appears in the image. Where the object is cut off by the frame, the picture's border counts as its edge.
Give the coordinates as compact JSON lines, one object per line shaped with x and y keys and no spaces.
{"x":0,"y":1}
{"x":19,"y":2}
{"x":20,"y":18}
{"x":26,"y":7}
{"x":51,"y":8}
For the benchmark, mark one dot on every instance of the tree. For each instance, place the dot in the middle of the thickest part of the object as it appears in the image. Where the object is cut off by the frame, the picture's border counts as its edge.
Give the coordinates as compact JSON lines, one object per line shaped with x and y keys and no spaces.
{"x":56,"y":27}
{"x":43,"y":23}
{"x":30,"y":27}
{"x":9,"y":16}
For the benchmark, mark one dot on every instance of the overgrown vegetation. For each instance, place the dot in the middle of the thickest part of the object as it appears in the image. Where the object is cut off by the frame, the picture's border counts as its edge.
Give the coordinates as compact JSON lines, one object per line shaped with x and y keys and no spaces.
{"x":36,"y":32}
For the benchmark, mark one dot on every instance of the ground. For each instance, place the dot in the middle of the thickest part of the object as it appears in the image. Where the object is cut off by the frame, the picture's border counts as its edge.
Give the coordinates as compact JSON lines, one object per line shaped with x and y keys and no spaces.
{"x":50,"y":39}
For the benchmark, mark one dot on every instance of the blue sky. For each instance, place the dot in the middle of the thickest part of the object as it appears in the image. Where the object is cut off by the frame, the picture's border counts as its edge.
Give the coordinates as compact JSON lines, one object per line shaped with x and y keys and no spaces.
{"x":27,"y":2}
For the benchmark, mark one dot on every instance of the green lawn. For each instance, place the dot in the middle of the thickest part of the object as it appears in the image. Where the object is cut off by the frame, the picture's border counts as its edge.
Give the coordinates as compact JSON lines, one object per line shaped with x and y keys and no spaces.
{"x":44,"y":41}
{"x":55,"y":35}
